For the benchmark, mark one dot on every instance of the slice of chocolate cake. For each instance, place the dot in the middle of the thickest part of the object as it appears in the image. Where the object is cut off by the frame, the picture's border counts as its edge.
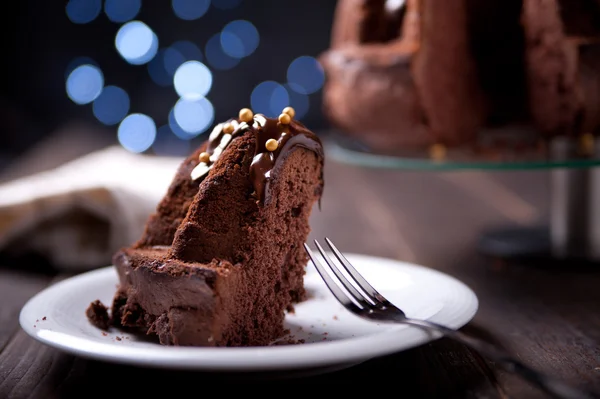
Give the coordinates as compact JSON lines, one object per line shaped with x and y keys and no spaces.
{"x":563,"y":65}
{"x":221,"y":260}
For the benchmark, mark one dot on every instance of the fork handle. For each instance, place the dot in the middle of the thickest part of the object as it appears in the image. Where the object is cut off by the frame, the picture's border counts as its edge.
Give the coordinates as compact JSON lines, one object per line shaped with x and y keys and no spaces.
{"x":547,"y":384}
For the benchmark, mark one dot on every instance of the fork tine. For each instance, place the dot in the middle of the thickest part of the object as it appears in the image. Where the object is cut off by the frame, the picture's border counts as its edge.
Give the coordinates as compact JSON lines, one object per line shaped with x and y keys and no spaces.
{"x":360,"y":298}
{"x":330,"y":282}
{"x":371,"y":292}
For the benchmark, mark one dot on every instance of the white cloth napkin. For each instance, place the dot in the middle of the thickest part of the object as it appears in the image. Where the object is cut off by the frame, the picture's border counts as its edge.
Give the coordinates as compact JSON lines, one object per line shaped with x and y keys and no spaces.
{"x":80,"y":213}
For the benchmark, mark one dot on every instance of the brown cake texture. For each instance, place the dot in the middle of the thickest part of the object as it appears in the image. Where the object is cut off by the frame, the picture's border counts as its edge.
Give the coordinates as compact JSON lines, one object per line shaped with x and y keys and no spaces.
{"x":221,"y":260}
{"x":410,"y":74}
{"x":563,"y":65}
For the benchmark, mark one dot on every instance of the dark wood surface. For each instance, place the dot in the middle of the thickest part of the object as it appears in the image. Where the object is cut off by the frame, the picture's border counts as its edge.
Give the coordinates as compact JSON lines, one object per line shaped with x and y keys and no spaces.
{"x":547,"y":314}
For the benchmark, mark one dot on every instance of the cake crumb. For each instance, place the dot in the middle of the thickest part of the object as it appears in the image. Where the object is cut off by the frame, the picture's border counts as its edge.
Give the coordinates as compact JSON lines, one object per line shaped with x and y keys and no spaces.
{"x":335,"y":317}
{"x":288,"y":342}
{"x":118,"y":338}
{"x":34,"y":326}
{"x":44,"y":318}
{"x":37,"y":320}
{"x":97,"y":314}
{"x":104,"y":333}
{"x":325,"y":333}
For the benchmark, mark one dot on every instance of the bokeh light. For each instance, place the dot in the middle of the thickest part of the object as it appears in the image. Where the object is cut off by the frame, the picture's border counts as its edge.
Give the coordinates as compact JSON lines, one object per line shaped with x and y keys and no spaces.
{"x":122,"y":10}
{"x":215,"y":55}
{"x":300,"y":102}
{"x":192,"y":80}
{"x":84,"y":84}
{"x":79,"y":61}
{"x":190,"y":9}
{"x":172,"y":59}
{"x":136,"y":42}
{"x":188,"y":49}
{"x":83,"y":11}
{"x":111,"y":106}
{"x":305,"y":75}
{"x":194,"y":116}
{"x":226,"y":4}
{"x":157,"y":71}
{"x":269,"y":98}
{"x":176,"y":129}
{"x":137,"y":132}
{"x":239,"y":38}
{"x":168,"y":144}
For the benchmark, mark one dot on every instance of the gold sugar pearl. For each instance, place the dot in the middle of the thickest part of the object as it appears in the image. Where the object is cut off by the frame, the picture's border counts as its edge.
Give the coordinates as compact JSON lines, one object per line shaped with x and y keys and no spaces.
{"x":204,"y":157}
{"x":285,"y":119}
{"x":246,"y":115}
{"x":228,"y":128}
{"x":290,"y":111}
{"x":271,"y":144}
{"x":437,"y":151}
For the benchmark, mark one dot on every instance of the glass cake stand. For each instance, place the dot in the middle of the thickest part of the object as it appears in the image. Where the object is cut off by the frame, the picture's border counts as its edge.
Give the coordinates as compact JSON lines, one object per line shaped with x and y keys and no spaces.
{"x":574,"y":226}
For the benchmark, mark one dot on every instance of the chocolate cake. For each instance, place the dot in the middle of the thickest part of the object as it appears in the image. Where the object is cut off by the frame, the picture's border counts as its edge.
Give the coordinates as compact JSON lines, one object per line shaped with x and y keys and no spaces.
{"x":563,"y":65}
{"x":388,"y":81}
{"x":416,"y":73}
{"x":221,"y":260}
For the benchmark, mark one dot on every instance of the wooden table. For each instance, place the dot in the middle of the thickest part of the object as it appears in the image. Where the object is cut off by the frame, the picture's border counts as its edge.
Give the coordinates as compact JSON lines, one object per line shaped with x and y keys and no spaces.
{"x":549,"y":317}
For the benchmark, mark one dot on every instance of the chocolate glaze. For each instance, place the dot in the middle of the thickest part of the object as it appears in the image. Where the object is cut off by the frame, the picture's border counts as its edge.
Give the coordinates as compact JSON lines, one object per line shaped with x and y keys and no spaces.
{"x":289,"y":137}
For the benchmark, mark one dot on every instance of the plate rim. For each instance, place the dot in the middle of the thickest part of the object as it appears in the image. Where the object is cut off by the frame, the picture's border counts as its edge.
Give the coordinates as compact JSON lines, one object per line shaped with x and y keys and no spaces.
{"x":277,"y":357}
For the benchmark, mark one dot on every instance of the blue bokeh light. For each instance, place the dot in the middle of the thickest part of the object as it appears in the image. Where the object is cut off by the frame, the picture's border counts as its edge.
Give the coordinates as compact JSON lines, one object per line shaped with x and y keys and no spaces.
{"x":193,"y":116}
{"x":157,"y":71}
{"x":83,"y":11}
{"x":239,"y":38}
{"x":226,"y":4}
{"x":269,"y":98}
{"x":111,"y":106}
{"x":190,"y":9}
{"x":137,"y":132}
{"x":120,"y":11}
{"x":136,"y":42}
{"x":216,"y":56}
{"x":84,"y":84}
{"x":176,"y":129}
{"x":300,"y":102}
{"x":192,"y":80}
{"x":168,"y":144}
{"x":305,"y":75}
{"x":188,"y":49}
{"x":79,"y":61}
{"x":172,"y":60}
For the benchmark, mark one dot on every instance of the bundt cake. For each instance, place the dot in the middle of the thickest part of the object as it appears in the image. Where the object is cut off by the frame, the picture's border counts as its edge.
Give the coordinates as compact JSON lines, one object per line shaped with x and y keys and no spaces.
{"x":221,"y":260}
{"x":563,"y":65}
{"x":407,"y":74}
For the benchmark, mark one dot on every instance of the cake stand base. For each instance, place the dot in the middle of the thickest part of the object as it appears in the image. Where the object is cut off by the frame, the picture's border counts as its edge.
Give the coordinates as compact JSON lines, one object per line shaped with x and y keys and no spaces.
{"x":573,"y":232}
{"x":515,"y":243}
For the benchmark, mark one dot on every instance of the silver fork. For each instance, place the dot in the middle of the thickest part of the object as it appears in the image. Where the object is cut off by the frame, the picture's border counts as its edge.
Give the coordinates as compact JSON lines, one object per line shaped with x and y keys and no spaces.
{"x":370,"y":304}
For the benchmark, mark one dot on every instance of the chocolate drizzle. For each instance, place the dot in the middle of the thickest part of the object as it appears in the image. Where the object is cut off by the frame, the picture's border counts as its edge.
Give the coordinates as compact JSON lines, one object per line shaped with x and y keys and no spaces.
{"x":288,"y":137}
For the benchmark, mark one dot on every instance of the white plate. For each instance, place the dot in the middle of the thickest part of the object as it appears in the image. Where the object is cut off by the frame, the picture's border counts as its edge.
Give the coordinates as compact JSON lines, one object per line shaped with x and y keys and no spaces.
{"x":334,"y":338}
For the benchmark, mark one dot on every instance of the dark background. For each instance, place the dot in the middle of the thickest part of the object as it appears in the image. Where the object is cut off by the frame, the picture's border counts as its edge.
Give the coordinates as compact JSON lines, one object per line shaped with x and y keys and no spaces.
{"x":40,"y":42}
